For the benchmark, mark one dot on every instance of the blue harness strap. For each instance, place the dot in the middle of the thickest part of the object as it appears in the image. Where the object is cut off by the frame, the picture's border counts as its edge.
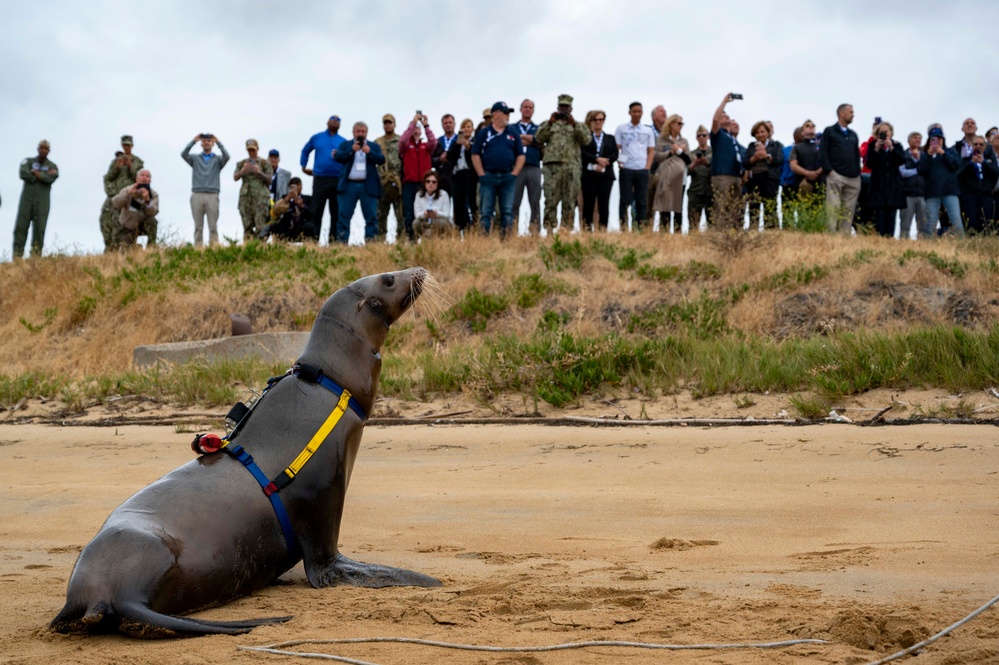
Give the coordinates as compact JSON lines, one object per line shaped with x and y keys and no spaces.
{"x":270,"y":490}
{"x":315,"y":375}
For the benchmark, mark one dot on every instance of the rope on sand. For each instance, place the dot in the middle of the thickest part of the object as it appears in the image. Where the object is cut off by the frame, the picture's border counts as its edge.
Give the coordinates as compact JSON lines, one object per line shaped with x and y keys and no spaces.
{"x":279,"y":648}
{"x":930,"y":640}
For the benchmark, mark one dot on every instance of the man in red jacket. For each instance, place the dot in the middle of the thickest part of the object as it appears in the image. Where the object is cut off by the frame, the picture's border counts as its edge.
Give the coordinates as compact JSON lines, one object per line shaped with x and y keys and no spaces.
{"x":415,"y":154}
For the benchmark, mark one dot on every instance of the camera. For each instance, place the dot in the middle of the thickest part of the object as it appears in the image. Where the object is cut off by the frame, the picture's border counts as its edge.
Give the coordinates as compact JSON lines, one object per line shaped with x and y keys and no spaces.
{"x":206,"y":135}
{"x":735,"y":95}
{"x":419,"y":112}
{"x":699,"y":154}
{"x":561,"y":116}
{"x":359,"y":141}
{"x":882,"y":135}
{"x":142,"y":185}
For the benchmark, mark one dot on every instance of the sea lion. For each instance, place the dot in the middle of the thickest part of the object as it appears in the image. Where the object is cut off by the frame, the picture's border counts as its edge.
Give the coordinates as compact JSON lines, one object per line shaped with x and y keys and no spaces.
{"x":205,"y":533}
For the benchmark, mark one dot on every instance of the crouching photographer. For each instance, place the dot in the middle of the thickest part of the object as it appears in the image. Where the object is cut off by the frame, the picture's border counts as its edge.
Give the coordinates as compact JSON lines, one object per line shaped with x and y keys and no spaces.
{"x":292,"y":220}
{"x":138,"y":205}
{"x":432,"y":208}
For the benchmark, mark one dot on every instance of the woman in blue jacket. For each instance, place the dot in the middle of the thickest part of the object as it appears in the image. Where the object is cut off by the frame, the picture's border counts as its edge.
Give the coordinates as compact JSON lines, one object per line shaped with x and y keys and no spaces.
{"x":939,"y":166}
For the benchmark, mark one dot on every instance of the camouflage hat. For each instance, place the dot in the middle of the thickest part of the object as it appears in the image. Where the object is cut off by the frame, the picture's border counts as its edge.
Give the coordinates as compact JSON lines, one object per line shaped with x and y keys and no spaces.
{"x":252,"y":143}
{"x":388,"y":116}
{"x":126,"y":139}
{"x":565,"y":99}
{"x":44,"y":144}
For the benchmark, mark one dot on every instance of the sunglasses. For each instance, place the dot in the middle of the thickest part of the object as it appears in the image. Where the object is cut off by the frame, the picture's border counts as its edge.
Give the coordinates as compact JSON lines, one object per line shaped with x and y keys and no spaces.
{"x":430,"y":182}
{"x":388,"y":122}
{"x":680,"y":122}
{"x":599,"y":119}
{"x":702,"y":136}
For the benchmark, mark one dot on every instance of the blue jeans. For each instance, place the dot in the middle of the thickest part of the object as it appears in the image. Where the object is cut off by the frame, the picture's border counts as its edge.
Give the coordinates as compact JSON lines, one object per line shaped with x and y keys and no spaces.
{"x":491,"y":186}
{"x":347,"y":200}
{"x":953,"y":206}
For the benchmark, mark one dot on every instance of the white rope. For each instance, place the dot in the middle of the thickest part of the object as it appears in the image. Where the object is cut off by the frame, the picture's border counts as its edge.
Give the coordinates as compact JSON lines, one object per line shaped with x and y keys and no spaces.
{"x":931,"y":640}
{"x":278,"y":648}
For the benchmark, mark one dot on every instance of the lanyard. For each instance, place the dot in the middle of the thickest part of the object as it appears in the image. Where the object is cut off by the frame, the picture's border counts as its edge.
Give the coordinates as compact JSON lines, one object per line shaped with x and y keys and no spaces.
{"x":448,"y":141}
{"x":599,"y":140}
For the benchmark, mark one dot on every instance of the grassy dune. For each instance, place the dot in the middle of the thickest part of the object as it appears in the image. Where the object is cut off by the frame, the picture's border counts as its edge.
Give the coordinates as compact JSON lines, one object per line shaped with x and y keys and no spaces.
{"x":553,"y":320}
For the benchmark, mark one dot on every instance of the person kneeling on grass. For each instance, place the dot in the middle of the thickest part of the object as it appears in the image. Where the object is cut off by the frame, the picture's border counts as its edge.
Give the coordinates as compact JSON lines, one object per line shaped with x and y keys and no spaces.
{"x":292,"y":220}
{"x":432,"y":209}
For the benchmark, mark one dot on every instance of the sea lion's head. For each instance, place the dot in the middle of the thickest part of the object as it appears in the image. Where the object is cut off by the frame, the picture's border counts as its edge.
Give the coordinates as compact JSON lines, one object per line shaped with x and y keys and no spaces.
{"x":352,"y":325}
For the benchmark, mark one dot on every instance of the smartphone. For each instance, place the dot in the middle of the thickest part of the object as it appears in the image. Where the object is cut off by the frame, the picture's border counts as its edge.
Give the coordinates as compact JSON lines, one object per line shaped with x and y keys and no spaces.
{"x":934,"y":141}
{"x":735,"y":95}
{"x":882,"y":135}
{"x":419,"y":112}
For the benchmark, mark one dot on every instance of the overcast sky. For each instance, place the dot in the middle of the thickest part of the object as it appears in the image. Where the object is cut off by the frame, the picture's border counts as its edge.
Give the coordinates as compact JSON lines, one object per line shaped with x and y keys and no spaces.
{"x":80,"y":74}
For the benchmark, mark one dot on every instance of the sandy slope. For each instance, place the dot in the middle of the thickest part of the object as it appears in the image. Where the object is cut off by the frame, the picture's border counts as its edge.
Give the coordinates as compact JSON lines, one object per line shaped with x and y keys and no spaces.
{"x":870,"y":538}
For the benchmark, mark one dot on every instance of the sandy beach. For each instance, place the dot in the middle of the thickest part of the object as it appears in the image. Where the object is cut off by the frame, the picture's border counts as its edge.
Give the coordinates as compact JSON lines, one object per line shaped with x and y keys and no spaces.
{"x":872,"y":538}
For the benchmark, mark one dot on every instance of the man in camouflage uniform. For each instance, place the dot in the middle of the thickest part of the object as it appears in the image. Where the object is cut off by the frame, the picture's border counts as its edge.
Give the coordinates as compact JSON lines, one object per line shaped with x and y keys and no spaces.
{"x":38,"y":174}
{"x":391,"y":175}
{"x":255,"y":194}
{"x":562,"y":137}
{"x":121,"y":173}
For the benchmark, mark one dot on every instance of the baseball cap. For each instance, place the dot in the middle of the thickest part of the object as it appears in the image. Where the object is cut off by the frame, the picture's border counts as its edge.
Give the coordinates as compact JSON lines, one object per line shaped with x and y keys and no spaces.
{"x":335,"y":117}
{"x":565,"y":99}
{"x":44,"y":144}
{"x":501,"y":106}
{"x":252,"y":143}
{"x":273,"y":153}
{"x":126,"y":139}
{"x":388,"y":116}
{"x":936,"y":132}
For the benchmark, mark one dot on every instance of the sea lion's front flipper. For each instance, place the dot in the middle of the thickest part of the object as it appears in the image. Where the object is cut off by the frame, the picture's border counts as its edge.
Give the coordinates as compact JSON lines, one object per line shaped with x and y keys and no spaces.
{"x":348,"y":572}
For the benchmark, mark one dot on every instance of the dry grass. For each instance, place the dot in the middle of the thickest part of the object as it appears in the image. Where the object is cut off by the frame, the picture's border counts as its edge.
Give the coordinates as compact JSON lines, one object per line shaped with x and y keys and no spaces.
{"x":53,"y":317}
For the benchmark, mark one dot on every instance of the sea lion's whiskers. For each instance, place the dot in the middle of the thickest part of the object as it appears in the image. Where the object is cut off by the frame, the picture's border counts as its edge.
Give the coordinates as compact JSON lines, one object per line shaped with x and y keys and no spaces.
{"x":434,"y":301}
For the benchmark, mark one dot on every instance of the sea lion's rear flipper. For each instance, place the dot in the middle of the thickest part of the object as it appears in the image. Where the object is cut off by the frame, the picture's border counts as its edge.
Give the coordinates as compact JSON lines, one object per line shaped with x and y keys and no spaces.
{"x":348,"y":572}
{"x":137,"y":620}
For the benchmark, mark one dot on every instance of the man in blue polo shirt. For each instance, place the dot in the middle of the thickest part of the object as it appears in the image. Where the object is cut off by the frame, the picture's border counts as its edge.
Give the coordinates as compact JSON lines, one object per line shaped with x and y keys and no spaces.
{"x":325,"y":175}
{"x":497,"y":157}
{"x":726,"y":171}
{"x":530,"y":175}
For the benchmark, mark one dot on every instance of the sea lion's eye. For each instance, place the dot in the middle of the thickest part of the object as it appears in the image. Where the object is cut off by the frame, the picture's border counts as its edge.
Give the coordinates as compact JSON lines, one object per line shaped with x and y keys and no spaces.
{"x":388,"y":279}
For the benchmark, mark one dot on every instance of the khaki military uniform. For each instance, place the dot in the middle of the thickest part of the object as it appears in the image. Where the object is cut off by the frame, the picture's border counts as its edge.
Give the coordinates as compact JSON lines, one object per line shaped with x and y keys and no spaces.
{"x":115,"y":179}
{"x":561,"y":168}
{"x":133,"y":217}
{"x":254,"y":196}
{"x":391,"y":175}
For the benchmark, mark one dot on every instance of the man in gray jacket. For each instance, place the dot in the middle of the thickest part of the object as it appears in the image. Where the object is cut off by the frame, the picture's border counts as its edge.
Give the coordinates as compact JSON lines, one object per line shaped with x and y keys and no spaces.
{"x":280,"y":178}
{"x":206,"y":168}
{"x":138,"y":204}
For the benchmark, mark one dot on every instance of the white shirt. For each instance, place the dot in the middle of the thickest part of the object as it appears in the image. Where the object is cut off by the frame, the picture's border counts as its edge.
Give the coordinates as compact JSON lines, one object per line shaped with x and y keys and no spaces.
{"x":633,"y":142}
{"x":441,"y":206}
{"x":359,"y":168}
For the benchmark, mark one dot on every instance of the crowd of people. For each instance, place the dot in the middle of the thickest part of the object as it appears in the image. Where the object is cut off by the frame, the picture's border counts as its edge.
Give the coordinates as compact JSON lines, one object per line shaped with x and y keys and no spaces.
{"x":473,"y":174}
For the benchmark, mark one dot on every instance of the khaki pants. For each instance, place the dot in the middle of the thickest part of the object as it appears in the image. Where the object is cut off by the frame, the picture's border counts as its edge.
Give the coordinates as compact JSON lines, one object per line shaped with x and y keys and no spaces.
{"x":205,"y":204}
{"x":730,"y":207}
{"x":841,"y":201}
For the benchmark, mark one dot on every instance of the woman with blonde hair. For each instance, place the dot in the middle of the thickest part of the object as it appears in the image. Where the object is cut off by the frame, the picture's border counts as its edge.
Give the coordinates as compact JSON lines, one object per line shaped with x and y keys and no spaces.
{"x":673,"y":156}
{"x":463,"y":178}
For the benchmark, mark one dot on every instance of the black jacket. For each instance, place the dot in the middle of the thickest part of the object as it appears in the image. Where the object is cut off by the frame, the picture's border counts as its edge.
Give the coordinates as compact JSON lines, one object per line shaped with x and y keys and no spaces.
{"x":913,"y":185}
{"x":608,"y":149}
{"x":776,"y":152}
{"x":940,"y":172}
{"x":887,"y":190}
{"x":445,"y":168}
{"x":967,"y":175}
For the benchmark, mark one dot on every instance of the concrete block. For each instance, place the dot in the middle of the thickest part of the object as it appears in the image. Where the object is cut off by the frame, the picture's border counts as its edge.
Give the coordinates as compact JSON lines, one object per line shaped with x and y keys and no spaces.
{"x":269,"y":347}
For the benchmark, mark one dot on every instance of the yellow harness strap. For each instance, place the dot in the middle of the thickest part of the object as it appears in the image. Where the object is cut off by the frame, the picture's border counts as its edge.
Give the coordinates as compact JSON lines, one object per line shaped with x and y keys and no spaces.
{"x":319,"y":436}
